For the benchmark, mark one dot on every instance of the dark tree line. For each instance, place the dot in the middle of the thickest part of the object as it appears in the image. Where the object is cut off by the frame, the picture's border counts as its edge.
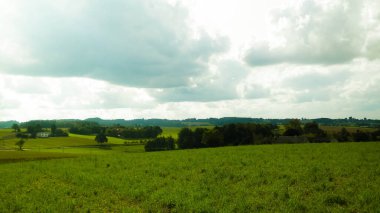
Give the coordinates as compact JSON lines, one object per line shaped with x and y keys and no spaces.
{"x":358,"y":136}
{"x":85,"y":128}
{"x":33,"y":128}
{"x":160,"y":144}
{"x":230,"y":134}
{"x":244,"y":134}
{"x":134,"y":132}
{"x":311,"y":131}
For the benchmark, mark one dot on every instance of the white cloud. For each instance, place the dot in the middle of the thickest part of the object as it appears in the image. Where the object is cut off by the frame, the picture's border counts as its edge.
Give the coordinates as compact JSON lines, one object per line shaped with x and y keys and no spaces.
{"x":317,"y":32}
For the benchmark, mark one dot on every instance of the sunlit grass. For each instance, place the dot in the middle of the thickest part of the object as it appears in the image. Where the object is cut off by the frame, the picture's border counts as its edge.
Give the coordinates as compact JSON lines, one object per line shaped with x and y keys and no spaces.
{"x":343,"y":177}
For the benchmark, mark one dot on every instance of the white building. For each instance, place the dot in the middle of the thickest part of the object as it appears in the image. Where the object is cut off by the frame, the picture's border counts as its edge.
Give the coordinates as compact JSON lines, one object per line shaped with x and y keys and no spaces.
{"x":42,"y":134}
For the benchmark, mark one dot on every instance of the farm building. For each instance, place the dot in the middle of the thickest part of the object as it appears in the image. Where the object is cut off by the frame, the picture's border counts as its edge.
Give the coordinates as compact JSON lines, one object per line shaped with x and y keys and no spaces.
{"x":42,"y":134}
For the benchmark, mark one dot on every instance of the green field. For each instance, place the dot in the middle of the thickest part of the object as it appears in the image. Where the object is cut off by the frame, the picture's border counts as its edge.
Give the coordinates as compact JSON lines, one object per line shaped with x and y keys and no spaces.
{"x":76,"y":144}
{"x":330,"y":177}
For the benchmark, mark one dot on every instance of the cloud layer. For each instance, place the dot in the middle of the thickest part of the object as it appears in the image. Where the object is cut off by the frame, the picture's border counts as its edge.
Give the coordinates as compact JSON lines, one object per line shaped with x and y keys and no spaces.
{"x":142,"y":43}
{"x":151,"y":58}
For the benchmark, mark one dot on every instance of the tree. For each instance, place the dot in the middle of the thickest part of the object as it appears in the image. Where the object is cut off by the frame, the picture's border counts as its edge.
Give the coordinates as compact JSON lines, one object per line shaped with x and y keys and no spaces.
{"x":160,"y":144}
{"x":16,"y":127}
{"x":53,"y":129}
{"x":376,"y":135}
{"x":293,"y":128}
{"x":20,"y":144}
{"x":101,"y":138}
{"x":60,"y":133}
{"x":213,"y":138}
{"x":185,"y":139}
{"x":33,"y":129}
{"x":314,"y":134}
{"x":311,"y":128}
{"x":197,"y":137}
{"x":360,"y":136}
{"x":343,"y":135}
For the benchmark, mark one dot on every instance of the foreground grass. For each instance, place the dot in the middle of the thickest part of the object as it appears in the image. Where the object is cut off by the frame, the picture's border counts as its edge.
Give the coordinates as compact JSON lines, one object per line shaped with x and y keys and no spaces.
{"x":287,"y":178}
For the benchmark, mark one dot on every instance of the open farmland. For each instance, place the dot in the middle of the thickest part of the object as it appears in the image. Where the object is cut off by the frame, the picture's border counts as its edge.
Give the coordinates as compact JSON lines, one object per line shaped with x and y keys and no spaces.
{"x":76,"y":144}
{"x":293,"y":178}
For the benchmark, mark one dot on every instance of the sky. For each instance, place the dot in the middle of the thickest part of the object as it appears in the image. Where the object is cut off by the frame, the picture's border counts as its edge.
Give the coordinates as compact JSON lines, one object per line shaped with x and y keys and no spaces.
{"x":180,"y":59}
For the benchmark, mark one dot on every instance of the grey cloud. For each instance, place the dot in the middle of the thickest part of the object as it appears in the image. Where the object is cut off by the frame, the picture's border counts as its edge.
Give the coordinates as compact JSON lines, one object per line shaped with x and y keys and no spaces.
{"x":321,"y":94}
{"x":314,"y":35}
{"x":316,"y":80}
{"x":220,"y":85}
{"x":257,"y":91}
{"x":373,"y":46}
{"x":142,"y":43}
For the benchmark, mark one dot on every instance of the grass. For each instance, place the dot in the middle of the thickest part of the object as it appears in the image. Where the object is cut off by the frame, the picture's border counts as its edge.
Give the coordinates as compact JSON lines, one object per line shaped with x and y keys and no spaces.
{"x":15,"y":156}
{"x":335,"y":177}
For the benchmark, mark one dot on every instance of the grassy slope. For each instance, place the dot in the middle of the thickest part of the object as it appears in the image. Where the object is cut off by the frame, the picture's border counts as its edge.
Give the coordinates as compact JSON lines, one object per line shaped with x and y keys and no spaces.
{"x":287,"y":178}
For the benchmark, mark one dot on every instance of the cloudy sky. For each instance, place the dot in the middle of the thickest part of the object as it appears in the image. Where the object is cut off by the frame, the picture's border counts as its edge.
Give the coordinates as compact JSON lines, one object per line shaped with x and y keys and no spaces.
{"x":189,"y":58}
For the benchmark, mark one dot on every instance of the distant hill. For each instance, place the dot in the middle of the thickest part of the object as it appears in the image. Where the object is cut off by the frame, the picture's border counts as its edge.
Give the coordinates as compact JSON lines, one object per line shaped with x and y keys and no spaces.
{"x":61,"y":123}
{"x":7,"y":124}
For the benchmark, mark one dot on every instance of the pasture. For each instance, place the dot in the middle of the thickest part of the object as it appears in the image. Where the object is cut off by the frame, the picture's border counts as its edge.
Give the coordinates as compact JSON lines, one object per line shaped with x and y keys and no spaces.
{"x":329,"y":177}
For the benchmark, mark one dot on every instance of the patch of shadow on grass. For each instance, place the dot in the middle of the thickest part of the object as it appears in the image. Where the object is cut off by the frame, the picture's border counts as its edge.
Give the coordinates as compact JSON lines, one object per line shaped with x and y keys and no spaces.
{"x":16,"y":160}
{"x":335,"y":200}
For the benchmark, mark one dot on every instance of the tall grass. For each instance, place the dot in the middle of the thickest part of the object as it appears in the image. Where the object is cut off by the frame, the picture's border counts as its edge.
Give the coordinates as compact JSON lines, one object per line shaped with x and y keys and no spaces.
{"x":287,"y":178}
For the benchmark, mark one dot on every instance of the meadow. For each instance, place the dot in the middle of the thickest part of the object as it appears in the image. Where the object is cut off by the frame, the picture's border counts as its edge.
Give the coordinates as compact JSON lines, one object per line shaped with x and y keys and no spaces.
{"x":328,"y":177}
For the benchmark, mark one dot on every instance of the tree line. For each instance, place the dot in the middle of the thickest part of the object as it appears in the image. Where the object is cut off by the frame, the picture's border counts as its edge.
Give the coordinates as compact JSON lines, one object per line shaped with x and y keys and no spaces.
{"x":67,"y":123}
{"x":88,"y":128}
{"x":251,"y":133}
{"x":33,"y":129}
{"x":133,"y":132}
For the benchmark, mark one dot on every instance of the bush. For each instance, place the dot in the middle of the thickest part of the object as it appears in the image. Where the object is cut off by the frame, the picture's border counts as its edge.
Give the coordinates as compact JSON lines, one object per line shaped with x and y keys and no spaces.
{"x":360,"y":136}
{"x":343,"y":135}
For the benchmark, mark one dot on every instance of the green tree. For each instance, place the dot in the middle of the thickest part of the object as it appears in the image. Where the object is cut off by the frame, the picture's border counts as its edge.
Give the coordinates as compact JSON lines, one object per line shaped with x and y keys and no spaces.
{"x":311,"y":128}
{"x":293,"y":128}
{"x":101,"y":138}
{"x":213,"y":138}
{"x":20,"y":144}
{"x":53,"y":129}
{"x":343,"y":135}
{"x":160,"y":144}
{"x":185,"y":139}
{"x":314,"y":133}
{"x":360,"y":136}
{"x":16,"y":127}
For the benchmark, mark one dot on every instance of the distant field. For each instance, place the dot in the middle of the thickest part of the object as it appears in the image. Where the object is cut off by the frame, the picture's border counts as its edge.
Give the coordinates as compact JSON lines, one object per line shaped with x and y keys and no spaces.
{"x":77,"y":144}
{"x":173,"y":131}
{"x":330,"y":177}
{"x":332,"y":129}
{"x":6,"y":132}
